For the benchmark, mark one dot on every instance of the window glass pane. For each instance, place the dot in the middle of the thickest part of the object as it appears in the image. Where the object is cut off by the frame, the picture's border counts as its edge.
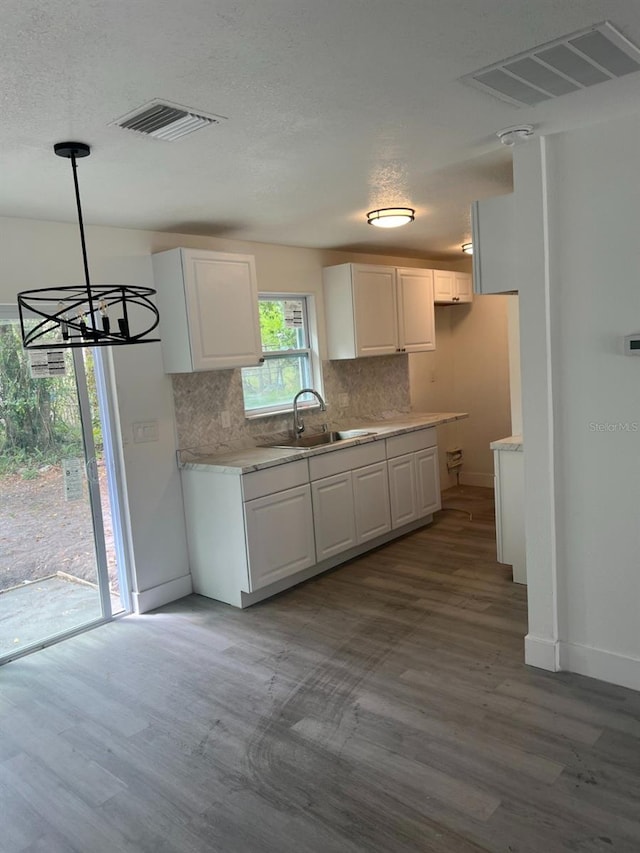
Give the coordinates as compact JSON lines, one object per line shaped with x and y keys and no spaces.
{"x":276,"y":382}
{"x":282,"y":324}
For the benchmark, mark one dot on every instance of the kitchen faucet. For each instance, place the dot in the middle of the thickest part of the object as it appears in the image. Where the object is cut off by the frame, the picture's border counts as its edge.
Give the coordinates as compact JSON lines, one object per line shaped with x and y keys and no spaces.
{"x":298,"y":423}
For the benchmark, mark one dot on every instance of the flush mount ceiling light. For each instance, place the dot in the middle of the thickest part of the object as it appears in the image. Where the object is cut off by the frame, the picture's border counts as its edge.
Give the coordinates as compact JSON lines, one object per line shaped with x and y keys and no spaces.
{"x":391,"y":217}
{"x":467,"y":248}
{"x":85,"y":315}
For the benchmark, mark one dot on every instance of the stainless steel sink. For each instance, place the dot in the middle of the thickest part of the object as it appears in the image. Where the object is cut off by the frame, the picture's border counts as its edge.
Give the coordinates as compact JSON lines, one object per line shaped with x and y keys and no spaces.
{"x":304,"y":442}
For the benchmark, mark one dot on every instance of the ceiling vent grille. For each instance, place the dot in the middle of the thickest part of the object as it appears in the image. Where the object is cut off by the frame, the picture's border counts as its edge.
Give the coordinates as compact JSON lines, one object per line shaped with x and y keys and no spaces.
{"x":165,"y":121}
{"x":557,"y":68}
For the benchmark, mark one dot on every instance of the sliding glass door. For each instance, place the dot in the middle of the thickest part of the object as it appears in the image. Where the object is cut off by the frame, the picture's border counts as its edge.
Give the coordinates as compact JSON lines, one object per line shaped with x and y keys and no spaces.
{"x":60,"y":565}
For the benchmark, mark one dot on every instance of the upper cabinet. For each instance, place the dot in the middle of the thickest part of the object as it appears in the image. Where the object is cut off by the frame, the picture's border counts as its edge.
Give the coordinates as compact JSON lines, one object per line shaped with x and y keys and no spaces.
{"x":494,"y":254}
{"x":452,"y":287}
{"x":378,"y":310}
{"x":208,"y":304}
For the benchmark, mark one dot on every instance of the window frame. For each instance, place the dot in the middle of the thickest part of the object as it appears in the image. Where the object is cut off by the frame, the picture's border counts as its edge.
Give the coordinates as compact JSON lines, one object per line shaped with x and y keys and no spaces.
{"x":310,"y":351}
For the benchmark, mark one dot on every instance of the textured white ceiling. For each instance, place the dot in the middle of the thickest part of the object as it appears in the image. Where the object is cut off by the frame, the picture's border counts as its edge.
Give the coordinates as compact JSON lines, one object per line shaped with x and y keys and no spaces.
{"x":333,"y":108}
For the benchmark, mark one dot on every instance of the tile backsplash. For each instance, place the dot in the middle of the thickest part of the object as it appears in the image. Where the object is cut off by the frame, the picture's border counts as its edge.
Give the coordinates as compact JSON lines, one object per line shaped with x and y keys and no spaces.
{"x":375,"y":388}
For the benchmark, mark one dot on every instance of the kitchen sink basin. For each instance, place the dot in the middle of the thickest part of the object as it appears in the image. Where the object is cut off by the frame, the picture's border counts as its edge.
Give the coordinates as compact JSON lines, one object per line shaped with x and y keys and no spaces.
{"x":305,"y":442}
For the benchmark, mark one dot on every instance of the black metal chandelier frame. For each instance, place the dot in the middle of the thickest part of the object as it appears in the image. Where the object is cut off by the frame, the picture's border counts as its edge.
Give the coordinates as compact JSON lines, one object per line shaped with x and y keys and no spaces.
{"x":82,"y":315}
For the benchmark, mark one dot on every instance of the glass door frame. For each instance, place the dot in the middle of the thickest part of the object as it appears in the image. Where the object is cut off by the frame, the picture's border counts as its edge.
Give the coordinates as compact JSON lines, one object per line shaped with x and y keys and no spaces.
{"x":107,"y":411}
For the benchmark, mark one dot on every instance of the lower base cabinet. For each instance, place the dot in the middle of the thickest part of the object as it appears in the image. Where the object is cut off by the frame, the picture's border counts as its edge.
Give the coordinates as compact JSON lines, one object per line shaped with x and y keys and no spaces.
{"x":334,"y":520}
{"x":414,"y":479}
{"x":350,"y":508}
{"x":371,"y":501}
{"x":279,"y":530}
{"x":509,"y":492}
{"x":402,"y":486}
{"x":252,"y":535}
{"x":427,"y":481}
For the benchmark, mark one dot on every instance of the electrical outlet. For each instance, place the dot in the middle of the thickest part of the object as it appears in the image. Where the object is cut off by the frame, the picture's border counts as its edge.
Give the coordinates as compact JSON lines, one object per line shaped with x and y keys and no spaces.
{"x":225,"y":420}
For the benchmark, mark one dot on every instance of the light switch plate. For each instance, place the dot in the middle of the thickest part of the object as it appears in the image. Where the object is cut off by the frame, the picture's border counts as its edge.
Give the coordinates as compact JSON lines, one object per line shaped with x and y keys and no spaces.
{"x":145,"y":431}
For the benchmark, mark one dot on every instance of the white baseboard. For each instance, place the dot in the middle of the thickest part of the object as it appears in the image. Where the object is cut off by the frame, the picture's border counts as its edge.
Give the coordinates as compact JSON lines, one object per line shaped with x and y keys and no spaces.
{"x":597,"y":663}
{"x":164,"y":593}
{"x":541,"y":653}
{"x":470,"y":478}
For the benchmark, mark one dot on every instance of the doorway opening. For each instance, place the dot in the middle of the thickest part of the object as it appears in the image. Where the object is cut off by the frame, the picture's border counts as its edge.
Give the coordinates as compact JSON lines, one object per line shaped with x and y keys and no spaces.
{"x":62,"y":558}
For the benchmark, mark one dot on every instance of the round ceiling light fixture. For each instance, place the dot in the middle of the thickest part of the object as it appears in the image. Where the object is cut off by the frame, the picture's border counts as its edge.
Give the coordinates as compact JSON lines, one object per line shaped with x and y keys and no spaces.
{"x":467,"y":248}
{"x":391,"y":217}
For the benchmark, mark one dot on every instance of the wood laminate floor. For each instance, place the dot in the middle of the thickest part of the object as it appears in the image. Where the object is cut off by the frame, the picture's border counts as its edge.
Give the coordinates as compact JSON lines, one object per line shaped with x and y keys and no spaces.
{"x":381,"y":707}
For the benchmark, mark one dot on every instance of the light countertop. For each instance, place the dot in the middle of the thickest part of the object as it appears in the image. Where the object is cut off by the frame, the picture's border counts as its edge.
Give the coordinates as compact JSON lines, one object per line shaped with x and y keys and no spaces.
{"x":255,"y":458}
{"x":512,"y":442}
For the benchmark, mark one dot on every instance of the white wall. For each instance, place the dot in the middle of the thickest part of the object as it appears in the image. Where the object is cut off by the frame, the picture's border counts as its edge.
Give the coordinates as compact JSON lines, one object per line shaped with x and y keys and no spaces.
{"x":578,"y":209}
{"x":40,"y":254}
{"x":469,"y":371}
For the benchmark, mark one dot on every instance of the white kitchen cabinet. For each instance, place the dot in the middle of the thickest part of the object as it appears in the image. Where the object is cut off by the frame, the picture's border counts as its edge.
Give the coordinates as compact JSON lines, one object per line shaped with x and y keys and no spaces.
{"x":208,"y":305}
{"x":254,"y":534}
{"x":350,"y":503}
{"x":378,"y":310}
{"x":333,"y":515}
{"x":402,"y":489}
{"x":416,"y":317}
{"x":494,"y":245}
{"x":509,"y":493}
{"x":452,"y":287}
{"x":280,"y":541}
{"x":371,"y":501}
{"x":427,"y":481}
{"x":414,"y":480}
{"x":247,"y":531}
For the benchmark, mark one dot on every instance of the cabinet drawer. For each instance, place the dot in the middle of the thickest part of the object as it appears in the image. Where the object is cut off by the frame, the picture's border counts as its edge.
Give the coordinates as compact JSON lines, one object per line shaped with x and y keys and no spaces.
{"x":270,"y":480}
{"x":411,"y":442}
{"x":337,"y":461}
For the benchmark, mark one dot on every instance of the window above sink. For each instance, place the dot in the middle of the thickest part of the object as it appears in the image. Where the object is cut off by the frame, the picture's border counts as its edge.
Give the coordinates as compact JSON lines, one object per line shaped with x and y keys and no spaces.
{"x":289,"y":350}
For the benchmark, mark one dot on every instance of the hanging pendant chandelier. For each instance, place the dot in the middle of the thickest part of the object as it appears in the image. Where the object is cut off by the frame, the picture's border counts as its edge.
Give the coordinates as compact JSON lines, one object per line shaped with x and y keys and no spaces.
{"x":86,"y":315}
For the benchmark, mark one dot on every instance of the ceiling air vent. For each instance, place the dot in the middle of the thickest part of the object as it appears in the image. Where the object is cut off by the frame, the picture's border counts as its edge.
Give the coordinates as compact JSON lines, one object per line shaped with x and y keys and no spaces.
{"x":559,"y":67}
{"x":165,"y":121}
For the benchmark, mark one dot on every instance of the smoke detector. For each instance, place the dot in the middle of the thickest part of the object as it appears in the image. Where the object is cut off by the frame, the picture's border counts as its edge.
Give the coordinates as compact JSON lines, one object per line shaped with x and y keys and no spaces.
{"x":166,"y":121}
{"x":512,"y":135}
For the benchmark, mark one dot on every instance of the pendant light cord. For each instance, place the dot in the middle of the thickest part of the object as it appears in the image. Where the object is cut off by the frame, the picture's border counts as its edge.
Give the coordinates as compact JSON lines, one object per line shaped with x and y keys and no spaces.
{"x":81,"y":224}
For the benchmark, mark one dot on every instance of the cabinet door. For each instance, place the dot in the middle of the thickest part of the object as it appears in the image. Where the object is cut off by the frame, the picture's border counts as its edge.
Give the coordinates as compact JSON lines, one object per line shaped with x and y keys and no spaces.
{"x":371,"y":501}
{"x":222,"y":304}
{"x":375,"y":310}
{"x":494,"y":245}
{"x":416,"y":318}
{"x":443,"y":286}
{"x":462,"y":287}
{"x":279,"y":531}
{"x":402,"y":490}
{"x":427,"y":481}
{"x":335,"y":526}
